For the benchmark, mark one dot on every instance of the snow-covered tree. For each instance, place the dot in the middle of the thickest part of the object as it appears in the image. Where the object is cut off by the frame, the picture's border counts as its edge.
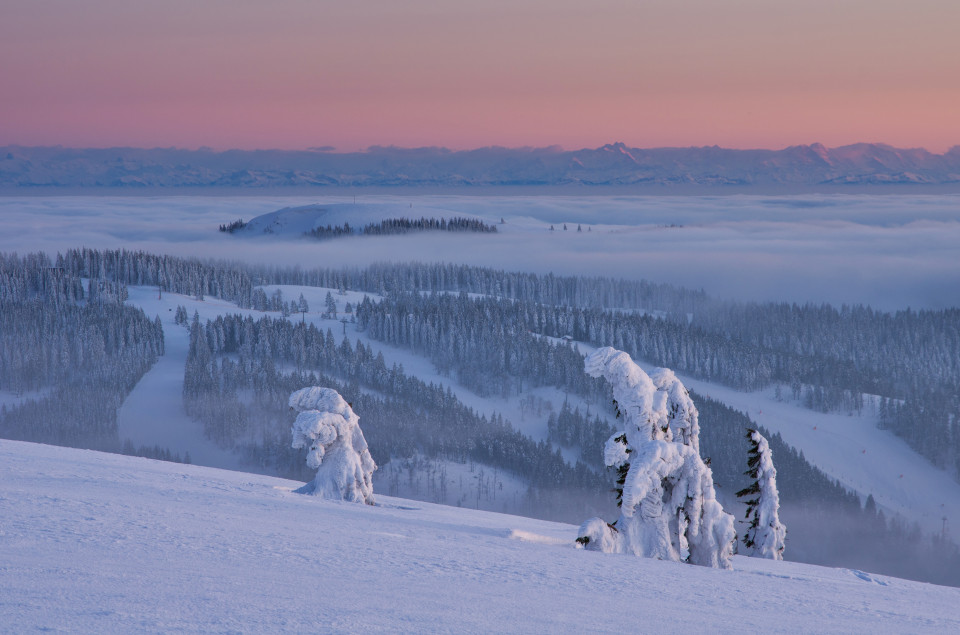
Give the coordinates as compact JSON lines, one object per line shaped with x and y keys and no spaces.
{"x":331,"y":305}
{"x":668,"y":506}
{"x":765,"y":535}
{"x":328,"y":426}
{"x":180,"y":316}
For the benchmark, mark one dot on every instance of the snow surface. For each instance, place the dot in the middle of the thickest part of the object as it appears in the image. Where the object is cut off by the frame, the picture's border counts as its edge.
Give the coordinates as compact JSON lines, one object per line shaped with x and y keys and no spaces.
{"x":93,"y":542}
{"x":11,"y":399}
{"x":153,"y":412}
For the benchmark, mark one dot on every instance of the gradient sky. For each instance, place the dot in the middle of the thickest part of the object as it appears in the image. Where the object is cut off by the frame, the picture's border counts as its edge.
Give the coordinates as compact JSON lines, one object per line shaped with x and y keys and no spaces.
{"x":303,"y":73}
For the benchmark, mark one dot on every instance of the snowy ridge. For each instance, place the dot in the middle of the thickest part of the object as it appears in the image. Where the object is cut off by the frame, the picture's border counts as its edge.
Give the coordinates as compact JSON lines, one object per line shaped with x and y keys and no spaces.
{"x":129,"y":544}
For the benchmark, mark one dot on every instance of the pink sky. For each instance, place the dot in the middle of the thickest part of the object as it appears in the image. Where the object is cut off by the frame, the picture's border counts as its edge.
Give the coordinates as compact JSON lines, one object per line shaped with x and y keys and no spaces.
{"x":301,"y":73}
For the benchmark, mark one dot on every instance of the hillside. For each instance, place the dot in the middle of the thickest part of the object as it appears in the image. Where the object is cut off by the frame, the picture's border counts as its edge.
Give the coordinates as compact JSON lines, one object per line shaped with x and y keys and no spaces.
{"x":852,"y":450}
{"x":97,"y":543}
{"x":300,"y":220}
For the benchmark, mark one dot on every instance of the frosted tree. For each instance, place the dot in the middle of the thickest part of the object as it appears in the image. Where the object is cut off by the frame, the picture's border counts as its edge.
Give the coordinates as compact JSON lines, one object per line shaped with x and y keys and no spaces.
{"x":668,"y":506}
{"x":331,"y":305}
{"x":765,"y":535}
{"x":330,"y":429}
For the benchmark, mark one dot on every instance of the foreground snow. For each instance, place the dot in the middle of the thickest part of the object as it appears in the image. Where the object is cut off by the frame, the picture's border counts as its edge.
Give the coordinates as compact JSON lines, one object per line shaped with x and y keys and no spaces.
{"x":94,"y":542}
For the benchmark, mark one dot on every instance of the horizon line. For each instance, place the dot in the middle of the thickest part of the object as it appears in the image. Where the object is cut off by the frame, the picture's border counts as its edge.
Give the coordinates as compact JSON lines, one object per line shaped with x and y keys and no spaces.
{"x":438,"y":148}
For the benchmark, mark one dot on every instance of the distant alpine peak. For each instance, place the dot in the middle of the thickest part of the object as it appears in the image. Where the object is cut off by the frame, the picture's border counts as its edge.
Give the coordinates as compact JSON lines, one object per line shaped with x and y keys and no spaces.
{"x":613,"y":164}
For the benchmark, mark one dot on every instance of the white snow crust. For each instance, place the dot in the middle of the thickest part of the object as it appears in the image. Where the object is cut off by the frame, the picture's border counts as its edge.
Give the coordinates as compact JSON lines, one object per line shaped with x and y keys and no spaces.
{"x":94,"y":543}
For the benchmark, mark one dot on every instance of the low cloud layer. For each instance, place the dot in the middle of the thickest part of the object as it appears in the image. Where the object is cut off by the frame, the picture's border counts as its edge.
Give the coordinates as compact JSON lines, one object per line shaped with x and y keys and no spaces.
{"x":887,"y":251}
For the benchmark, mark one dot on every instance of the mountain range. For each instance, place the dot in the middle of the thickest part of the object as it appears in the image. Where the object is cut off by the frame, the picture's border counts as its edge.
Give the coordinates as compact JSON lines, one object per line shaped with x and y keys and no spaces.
{"x":800,"y":167}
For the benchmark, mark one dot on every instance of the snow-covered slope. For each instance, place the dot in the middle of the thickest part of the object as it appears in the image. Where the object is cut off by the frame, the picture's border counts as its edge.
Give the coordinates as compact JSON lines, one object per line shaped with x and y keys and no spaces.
{"x":850,"y":449}
{"x":93,"y":542}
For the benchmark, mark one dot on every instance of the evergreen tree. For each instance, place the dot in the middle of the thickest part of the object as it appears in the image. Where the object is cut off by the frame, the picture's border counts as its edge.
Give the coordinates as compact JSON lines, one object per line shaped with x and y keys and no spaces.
{"x":765,"y":535}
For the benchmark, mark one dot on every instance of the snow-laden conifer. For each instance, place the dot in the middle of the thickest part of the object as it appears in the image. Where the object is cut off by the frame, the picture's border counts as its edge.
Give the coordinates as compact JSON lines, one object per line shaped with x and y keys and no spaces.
{"x":765,"y":535}
{"x":668,"y":506}
{"x":328,"y":426}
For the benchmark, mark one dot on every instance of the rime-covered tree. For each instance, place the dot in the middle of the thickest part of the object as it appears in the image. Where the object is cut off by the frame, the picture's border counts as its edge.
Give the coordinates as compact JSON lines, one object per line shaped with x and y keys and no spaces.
{"x":765,"y":535}
{"x":668,"y":506}
{"x":331,"y":305}
{"x":328,"y":426}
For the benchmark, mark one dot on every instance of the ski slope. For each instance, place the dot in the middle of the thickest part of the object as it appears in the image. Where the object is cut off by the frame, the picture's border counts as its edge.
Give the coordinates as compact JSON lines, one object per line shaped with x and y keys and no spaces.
{"x":94,"y":542}
{"x":854,"y":451}
{"x":849,"y":448}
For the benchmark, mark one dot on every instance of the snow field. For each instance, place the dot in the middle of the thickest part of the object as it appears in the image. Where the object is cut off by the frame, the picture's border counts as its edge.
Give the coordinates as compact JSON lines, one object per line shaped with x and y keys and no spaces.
{"x":96,"y":542}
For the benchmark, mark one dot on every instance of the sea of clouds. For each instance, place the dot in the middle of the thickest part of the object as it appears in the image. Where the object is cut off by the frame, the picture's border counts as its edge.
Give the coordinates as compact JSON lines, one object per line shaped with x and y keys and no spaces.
{"x":889,"y":251}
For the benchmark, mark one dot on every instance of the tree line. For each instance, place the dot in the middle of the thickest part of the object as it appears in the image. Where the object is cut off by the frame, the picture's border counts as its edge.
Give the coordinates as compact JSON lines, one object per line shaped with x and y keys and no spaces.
{"x":392,"y":226}
{"x":828,"y":358}
{"x":71,"y":355}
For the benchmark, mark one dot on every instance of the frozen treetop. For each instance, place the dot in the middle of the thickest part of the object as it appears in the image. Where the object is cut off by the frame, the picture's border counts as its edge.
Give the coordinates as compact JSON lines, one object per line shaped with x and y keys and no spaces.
{"x":323,"y":399}
{"x":657,"y":405}
{"x":330,"y":429}
{"x":682,"y":415}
